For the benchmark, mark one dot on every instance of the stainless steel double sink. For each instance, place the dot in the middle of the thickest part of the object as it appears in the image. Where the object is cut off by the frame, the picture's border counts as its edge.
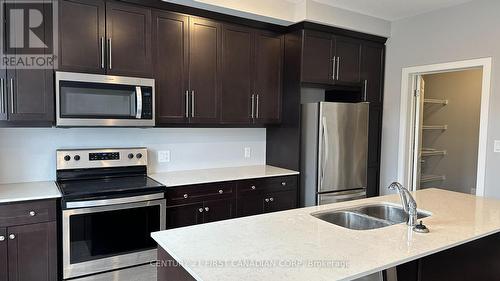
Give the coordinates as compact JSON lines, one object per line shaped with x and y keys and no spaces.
{"x":367,"y":216}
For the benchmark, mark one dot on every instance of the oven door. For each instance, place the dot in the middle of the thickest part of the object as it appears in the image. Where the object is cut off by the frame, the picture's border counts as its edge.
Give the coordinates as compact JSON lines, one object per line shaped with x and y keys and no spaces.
{"x":103,"y":238}
{"x":102,"y":100}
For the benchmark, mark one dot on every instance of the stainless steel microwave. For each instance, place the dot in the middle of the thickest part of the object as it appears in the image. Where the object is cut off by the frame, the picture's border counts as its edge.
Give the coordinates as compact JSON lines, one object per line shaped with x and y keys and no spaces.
{"x":92,"y":100}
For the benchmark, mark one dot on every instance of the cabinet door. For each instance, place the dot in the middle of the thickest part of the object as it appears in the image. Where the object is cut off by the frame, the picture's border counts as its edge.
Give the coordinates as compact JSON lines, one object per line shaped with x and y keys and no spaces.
{"x":170,"y":52}
{"x":82,"y":36}
{"x":250,"y":205}
{"x":372,"y":71}
{"x":268,"y":76}
{"x":237,"y":67}
{"x":33,"y":252}
{"x":204,"y":53}
{"x":128,"y":29}
{"x":3,"y":255}
{"x":184,"y":215}
{"x":348,"y":54}
{"x":317,"y":63}
{"x":30,"y":95}
{"x":218,"y":210}
{"x":280,"y":201}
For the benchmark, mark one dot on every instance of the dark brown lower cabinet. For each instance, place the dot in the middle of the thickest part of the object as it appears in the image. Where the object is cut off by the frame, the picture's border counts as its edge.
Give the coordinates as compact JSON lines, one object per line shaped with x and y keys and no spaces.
{"x":28,"y":241}
{"x":190,"y":205}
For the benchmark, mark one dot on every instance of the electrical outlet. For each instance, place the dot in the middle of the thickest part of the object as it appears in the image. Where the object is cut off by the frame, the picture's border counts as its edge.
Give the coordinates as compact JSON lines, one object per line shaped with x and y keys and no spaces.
{"x":164,"y":156}
{"x":248,"y":152}
{"x":497,"y":146}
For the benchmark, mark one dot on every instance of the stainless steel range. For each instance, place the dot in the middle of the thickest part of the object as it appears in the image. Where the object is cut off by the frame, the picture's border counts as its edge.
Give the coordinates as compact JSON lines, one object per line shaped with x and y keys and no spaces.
{"x":109,"y":208}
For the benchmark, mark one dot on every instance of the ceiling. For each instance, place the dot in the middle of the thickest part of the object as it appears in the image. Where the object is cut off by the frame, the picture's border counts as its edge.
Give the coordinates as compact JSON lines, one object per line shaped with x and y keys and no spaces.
{"x":390,"y":9}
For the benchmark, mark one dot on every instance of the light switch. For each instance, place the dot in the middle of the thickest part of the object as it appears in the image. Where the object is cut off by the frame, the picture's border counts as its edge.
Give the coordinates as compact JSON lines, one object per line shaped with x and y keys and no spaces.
{"x":164,"y":156}
{"x":497,"y":146}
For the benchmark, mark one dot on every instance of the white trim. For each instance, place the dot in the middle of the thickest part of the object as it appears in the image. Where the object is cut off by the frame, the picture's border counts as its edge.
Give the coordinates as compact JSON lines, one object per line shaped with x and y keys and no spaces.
{"x":406,"y":114}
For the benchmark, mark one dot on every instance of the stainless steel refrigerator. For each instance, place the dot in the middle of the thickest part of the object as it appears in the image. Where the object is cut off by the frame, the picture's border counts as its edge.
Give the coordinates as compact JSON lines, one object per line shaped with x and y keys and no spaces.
{"x":334,"y":152}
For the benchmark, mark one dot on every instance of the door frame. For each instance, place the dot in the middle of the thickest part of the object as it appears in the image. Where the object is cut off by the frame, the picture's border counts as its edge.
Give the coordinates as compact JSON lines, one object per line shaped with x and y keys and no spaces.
{"x":407,"y":115}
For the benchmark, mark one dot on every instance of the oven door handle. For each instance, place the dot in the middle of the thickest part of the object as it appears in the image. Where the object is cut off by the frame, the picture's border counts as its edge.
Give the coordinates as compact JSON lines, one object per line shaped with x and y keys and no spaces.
{"x":116,"y":201}
{"x":138,"y":93}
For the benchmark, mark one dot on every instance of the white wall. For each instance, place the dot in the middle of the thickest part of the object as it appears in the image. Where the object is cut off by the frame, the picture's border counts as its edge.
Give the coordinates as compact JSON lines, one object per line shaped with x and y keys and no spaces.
{"x":287,"y":12}
{"x":29,"y":154}
{"x":468,"y":31}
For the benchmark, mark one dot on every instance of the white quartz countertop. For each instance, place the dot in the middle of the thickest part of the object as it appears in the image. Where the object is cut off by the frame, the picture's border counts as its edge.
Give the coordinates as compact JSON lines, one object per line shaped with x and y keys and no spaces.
{"x":179,"y":178}
{"x":295,"y":246}
{"x":15,"y":192}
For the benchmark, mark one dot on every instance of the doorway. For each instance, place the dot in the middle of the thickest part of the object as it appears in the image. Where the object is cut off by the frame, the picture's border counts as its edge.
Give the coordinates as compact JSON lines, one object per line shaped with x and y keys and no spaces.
{"x":443,"y":128}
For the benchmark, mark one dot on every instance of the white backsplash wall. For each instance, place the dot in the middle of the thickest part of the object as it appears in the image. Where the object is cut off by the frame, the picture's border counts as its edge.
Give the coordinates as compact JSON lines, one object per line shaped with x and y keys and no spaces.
{"x":28,"y":154}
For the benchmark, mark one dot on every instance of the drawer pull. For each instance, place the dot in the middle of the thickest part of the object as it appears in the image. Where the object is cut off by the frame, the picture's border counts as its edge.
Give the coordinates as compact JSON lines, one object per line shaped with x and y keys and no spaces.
{"x":283,"y":183}
{"x":200,"y":210}
{"x":2,"y":238}
{"x":12,"y":237}
{"x":185,"y":196}
{"x":221,"y":191}
{"x":267,"y":200}
{"x":253,"y":187}
{"x":32,"y":213}
{"x":207,"y":209}
{"x":271,"y":199}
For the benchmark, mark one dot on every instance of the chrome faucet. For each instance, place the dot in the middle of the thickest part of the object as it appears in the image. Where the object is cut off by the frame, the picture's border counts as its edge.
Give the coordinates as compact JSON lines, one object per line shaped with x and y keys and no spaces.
{"x":409,"y":204}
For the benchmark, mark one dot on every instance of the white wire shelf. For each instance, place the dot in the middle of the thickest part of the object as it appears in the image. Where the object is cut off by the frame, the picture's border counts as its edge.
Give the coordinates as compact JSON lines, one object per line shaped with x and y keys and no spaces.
{"x":431,"y":178}
{"x":435,"y":127}
{"x":425,"y":153}
{"x":436,"y":101}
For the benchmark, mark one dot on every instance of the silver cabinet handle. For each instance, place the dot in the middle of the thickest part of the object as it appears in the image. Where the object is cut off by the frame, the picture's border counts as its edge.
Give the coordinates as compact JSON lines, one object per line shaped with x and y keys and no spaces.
{"x":283,"y":183}
{"x":221,"y":191}
{"x":185,"y":196}
{"x":11,"y":95}
{"x":192,"y":104}
{"x":364,"y":94}
{"x":253,"y":106}
{"x":110,"y":53}
{"x":334,"y":60}
{"x":267,"y":200}
{"x":253,"y":187}
{"x":102,"y":53}
{"x":32,"y":213}
{"x":187,"y":103}
{"x":2,"y":238}
{"x":200,"y":210}
{"x":207,"y":209}
{"x":338,"y":68}
{"x":271,"y":199}
{"x":2,"y":98}
{"x":257,"y":110}
{"x":12,"y":237}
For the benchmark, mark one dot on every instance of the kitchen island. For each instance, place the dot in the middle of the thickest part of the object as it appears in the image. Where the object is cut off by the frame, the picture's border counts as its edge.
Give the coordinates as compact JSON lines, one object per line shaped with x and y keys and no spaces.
{"x":294,"y":245}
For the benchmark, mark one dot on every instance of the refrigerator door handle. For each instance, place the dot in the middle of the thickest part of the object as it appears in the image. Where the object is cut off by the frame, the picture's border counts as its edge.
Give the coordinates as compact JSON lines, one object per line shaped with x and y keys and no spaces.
{"x":324,"y":149}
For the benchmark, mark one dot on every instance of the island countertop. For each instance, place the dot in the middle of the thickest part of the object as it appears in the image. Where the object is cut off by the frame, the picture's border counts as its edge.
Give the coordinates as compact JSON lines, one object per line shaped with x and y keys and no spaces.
{"x":293,"y":245}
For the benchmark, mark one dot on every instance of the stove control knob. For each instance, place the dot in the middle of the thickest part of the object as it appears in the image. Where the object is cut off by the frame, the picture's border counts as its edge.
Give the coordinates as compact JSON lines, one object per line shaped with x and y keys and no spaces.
{"x":67,"y":158}
{"x":130,"y":156}
{"x":77,"y":158}
{"x":139,"y":155}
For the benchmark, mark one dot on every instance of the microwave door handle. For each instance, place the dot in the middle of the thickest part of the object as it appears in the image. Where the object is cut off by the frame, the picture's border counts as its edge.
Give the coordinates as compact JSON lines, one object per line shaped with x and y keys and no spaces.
{"x":138,"y":92}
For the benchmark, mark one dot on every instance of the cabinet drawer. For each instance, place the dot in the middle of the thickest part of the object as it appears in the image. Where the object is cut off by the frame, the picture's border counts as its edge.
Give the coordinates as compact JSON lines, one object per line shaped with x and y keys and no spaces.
{"x":265,"y":185}
{"x":196,"y":193}
{"x":27,"y":212}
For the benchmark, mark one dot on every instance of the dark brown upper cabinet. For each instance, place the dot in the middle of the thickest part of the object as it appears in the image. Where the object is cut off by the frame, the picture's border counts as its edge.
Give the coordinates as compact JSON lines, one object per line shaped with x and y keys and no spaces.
{"x":330,"y":59}
{"x":372,"y":72}
{"x":186,"y":69}
{"x":105,"y":37}
{"x":237,"y":92}
{"x":252,"y":65}
{"x":82,"y":31}
{"x":268,"y":76}
{"x":26,"y":95}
